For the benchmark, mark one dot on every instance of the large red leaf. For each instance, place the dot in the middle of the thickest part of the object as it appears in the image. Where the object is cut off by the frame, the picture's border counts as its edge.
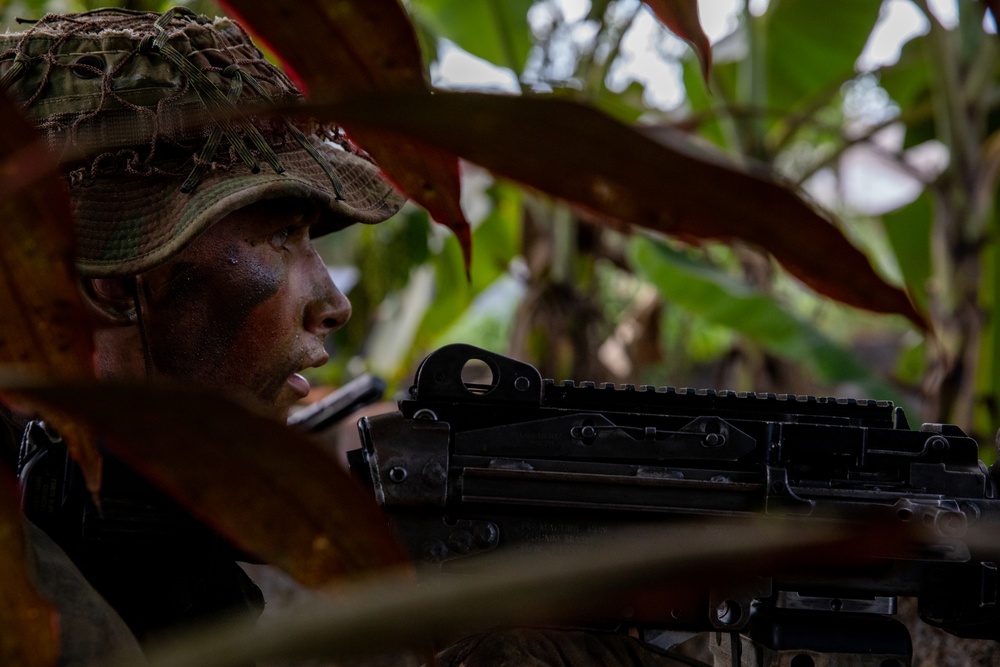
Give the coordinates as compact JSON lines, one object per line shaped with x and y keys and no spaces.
{"x":338,"y":49}
{"x":258,"y":482}
{"x":681,"y":16}
{"x":44,"y":328}
{"x":30,"y":624}
{"x":616,"y":174}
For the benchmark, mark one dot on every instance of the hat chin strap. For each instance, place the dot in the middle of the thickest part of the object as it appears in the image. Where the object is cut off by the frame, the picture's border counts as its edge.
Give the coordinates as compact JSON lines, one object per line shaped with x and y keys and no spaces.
{"x":140,"y":320}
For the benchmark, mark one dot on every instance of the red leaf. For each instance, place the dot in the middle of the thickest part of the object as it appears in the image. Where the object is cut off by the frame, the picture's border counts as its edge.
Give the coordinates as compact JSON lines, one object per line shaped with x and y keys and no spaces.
{"x":425,"y":173}
{"x":30,"y":623}
{"x":44,"y":328}
{"x":263,"y":485}
{"x":681,"y":16}
{"x":616,"y":174}
{"x":340,"y":49}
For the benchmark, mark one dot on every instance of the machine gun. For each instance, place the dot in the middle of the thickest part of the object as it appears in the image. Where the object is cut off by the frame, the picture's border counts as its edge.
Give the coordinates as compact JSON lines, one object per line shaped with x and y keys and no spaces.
{"x":465,"y":468}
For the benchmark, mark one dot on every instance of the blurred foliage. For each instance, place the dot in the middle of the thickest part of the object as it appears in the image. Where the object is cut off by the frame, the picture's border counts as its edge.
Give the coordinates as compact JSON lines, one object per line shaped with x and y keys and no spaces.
{"x":787,"y":92}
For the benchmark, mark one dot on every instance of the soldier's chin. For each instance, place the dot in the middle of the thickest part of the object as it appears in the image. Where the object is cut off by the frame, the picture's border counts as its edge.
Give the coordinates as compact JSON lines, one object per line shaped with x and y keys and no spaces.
{"x":276,"y":405}
{"x":292,"y":390}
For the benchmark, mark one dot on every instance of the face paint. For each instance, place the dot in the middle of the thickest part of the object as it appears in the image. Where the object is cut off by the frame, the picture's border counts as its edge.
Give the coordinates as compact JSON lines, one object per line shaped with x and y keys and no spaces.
{"x":228,"y":293}
{"x":245,"y":307}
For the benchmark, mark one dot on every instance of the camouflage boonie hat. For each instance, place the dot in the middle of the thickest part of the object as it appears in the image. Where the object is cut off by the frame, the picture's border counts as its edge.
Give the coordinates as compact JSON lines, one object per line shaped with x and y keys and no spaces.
{"x":148,"y":112}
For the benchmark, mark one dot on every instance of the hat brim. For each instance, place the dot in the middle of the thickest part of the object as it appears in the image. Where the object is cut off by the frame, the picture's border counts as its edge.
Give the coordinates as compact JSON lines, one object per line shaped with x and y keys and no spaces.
{"x":129,"y":224}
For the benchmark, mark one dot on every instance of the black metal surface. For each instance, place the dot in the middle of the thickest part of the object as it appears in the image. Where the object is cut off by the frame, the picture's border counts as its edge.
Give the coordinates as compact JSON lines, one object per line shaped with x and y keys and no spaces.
{"x":532,"y":461}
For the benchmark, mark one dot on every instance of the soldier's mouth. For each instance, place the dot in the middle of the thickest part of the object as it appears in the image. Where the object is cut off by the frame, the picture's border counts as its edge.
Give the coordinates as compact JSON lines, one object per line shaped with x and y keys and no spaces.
{"x":299,"y":384}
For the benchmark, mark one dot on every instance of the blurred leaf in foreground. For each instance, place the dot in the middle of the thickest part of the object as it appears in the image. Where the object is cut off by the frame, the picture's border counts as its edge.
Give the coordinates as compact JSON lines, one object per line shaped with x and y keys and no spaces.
{"x":340,"y":49}
{"x":44,"y":328}
{"x":620,"y":176}
{"x":30,"y":624}
{"x":261,"y":484}
{"x":516,"y":589}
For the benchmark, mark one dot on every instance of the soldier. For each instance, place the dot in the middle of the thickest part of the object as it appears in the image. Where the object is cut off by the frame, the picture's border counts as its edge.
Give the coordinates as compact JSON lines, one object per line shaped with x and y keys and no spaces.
{"x":195,"y":222}
{"x":195,"y":253}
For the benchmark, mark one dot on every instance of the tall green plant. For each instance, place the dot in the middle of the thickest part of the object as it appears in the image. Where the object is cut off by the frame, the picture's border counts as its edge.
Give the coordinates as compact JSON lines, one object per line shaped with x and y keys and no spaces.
{"x":757,"y":108}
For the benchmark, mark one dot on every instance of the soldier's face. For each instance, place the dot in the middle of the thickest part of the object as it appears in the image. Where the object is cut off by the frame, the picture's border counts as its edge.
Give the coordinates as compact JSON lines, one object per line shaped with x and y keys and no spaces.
{"x":246,"y":306}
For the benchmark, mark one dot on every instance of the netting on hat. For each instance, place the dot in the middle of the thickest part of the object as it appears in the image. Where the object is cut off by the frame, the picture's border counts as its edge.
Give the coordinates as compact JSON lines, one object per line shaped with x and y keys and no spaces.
{"x":130,"y":92}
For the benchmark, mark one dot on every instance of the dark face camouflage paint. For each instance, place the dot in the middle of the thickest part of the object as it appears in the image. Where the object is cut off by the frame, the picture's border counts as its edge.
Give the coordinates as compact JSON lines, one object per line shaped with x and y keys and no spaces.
{"x":246,"y":306}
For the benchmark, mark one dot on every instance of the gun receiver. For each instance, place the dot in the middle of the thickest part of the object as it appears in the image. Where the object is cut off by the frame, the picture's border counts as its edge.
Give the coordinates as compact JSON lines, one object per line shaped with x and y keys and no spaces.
{"x":466,"y":468}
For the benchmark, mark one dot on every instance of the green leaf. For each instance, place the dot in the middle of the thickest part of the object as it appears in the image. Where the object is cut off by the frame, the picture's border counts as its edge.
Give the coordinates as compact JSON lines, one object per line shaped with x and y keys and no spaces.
{"x":703,"y":105}
{"x":626,"y":106}
{"x":911,"y":363}
{"x":812,"y":47}
{"x":987,"y":409}
{"x":387,"y":254}
{"x":720,"y":300}
{"x":908,"y":82}
{"x":494,"y":30}
{"x":909,"y":232}
{"x":497,"y":240}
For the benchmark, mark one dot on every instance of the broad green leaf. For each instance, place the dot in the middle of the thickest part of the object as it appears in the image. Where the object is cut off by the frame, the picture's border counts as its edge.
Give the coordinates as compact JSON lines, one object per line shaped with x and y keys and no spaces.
{"x":387,"y":254}
{"x":494,"y":30}
{"x":681,"y":16}
{"x":615,"y":174}
{"x":44,"y":329}
{"x":340,"y":49}
{"x":812,"y":47}
{"x":908,"y":82}
{"x":721,"y":300}
{"x":987,"y":411}
{"x":703,"y":107}
{"x":911,"y":363}
{"x":498,"y":238}
{"x":263,"y":485}
{"x":30,"y":636}
{"x":909,"y":232}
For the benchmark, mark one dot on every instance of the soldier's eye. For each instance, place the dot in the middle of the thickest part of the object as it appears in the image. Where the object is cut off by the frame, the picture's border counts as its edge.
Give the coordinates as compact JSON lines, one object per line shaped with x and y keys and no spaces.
{"x":290,"y":233}
{"x":280,"y":237}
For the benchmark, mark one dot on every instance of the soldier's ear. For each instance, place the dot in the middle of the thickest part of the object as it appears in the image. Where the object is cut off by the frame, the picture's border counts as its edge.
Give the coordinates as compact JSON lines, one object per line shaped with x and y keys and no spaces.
{"x":110,"y":300}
